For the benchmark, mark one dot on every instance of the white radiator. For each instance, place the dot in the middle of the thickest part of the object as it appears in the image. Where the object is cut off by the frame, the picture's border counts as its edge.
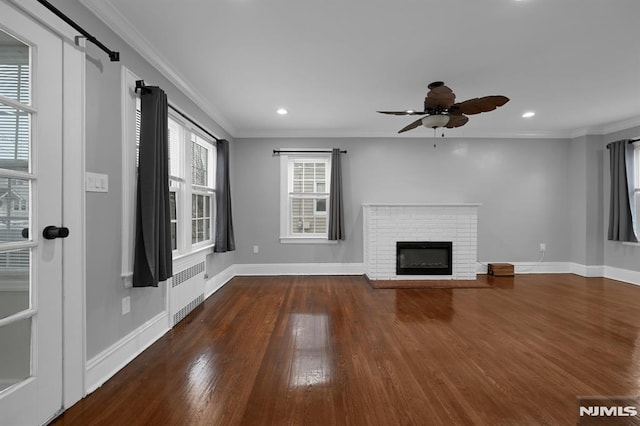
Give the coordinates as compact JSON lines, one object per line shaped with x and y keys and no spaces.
{"x":187,"y":286}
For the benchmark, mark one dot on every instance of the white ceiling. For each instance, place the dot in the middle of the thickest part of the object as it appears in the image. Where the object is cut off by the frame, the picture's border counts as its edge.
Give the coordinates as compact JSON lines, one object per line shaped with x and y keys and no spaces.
{"x":333,"y":63}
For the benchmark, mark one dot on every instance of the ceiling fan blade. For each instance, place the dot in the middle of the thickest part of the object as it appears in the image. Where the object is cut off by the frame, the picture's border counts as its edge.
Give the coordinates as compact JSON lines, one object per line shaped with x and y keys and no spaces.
{"x":457,"y":121}
{"x":441,"y":97}
{"x":407,"y":112}
{"x":478,"y":105}
{"x":412,"y":126}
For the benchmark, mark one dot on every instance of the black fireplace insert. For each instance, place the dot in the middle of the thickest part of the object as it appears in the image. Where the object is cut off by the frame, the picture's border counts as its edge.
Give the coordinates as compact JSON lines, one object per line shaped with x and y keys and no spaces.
{"x":424,"y":258}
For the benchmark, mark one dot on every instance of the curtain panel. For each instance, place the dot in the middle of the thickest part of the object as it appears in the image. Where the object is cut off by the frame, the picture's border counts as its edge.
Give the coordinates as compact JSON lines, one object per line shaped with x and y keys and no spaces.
{"x":225,"y":240}
{"x":336,"y":207}
{"x":622,"y":212}
{"x":152,"y":256}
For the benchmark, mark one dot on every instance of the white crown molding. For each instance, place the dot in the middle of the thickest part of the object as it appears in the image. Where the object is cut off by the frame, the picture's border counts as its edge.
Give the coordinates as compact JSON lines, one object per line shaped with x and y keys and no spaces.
{"x":448,"y":134}
{"x":607,"y":128}
{"x":108,"y":14}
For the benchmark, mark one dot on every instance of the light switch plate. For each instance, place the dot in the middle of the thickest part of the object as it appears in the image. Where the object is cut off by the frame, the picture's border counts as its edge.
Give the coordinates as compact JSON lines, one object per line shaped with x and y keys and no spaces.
{"x":96,"y":182}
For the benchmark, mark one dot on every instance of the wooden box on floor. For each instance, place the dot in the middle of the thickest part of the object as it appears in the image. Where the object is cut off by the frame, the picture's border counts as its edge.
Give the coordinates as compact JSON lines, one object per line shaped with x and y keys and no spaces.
{"x":500,"y":269}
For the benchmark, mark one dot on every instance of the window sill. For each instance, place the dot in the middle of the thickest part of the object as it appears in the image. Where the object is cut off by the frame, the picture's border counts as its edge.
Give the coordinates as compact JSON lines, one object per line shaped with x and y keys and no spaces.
{"x":194,"y":251}
{"x":628,"y":243}
{"x":298,"y":240}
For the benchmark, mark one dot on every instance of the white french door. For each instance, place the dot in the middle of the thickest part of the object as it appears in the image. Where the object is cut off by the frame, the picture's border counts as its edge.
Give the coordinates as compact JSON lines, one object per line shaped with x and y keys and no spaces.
{"x":30,"y":201}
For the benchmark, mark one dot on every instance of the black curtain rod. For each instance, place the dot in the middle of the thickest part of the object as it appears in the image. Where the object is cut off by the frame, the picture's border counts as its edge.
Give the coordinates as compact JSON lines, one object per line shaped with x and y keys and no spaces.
{"x":284,"y":151}
{"x":630,"y":141}
{"x":141,"y":86}
{"x":114,"y":56}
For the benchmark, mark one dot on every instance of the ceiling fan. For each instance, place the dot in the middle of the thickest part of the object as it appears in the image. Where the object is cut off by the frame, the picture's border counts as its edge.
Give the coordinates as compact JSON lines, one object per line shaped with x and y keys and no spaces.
{"x":440,"y":109}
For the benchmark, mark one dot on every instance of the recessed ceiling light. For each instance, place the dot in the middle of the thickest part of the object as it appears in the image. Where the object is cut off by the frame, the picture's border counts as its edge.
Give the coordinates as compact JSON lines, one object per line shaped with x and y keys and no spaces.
{"x":282,"y":111}
{"x":528,"y":114}
{"x":410,"y":111}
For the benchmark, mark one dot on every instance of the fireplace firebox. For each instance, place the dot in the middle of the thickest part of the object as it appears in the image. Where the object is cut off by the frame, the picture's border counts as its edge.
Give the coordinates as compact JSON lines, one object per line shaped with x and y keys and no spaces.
{"x":424,"y":258}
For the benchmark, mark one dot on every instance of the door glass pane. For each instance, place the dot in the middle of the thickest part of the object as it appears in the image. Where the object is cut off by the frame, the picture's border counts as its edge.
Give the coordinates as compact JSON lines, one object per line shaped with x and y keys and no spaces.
{"x":14,"y":69}
{"x":14,"y":282}
{"x":14,"y":209}
{"x":14,"y":138}
{"x":16,"y":356}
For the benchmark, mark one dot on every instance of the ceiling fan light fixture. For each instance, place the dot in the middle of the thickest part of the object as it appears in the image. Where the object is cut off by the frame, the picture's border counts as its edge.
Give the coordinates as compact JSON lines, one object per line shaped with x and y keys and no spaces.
{"x":435,"y":120}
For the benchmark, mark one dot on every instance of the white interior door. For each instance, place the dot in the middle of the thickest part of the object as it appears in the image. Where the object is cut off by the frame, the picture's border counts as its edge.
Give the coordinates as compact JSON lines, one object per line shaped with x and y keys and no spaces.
{"x":30,"y":200}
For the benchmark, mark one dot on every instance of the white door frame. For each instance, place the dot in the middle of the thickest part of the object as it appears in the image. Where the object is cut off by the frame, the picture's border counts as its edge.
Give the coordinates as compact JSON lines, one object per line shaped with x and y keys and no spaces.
{"x":73,"y":201}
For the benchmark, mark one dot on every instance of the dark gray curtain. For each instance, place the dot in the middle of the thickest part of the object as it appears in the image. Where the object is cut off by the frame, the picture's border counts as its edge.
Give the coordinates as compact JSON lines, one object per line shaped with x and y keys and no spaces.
{"x":224,"y":223}
{"x":152,"y":258}
{"x":621,"y":210}
{"x":336,"y":208}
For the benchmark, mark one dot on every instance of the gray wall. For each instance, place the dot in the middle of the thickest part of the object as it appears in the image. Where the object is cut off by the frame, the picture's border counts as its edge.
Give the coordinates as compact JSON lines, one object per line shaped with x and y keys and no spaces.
{"x":617,"y":254}
{"x":522,"y":184}
{"x":585,"y":198}
{"x":104,"y":289}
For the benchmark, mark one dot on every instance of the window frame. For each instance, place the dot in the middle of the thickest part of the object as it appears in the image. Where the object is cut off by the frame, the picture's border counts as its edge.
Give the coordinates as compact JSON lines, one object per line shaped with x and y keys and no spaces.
{"x":186,"y":188}
{"x":286,"y":182}
{"x":207,"y":190}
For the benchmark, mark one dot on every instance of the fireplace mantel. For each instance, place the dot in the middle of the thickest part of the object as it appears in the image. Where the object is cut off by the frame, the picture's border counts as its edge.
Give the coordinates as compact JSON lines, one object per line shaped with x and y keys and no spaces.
{"x":385,"y":224}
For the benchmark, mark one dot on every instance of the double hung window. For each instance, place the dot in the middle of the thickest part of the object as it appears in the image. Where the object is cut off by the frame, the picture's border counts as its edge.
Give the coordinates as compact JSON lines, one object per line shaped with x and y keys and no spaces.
{"x":191,"y":185}
{"x":304,"y":196}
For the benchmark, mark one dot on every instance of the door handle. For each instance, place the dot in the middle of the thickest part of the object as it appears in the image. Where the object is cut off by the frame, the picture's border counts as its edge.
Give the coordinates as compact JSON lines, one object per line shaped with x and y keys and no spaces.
{"x":25,"y":233}
{"x":53,"y":232}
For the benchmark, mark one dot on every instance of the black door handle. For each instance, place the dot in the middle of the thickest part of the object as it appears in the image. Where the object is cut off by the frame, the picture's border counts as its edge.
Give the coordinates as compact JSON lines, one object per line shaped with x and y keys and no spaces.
{"x":25,"y":233}
{"x":53,"y":232}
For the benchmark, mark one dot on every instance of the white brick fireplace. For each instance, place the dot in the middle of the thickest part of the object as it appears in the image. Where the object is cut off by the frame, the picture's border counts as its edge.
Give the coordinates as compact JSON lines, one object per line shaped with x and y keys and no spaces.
{"x":387,"y":224}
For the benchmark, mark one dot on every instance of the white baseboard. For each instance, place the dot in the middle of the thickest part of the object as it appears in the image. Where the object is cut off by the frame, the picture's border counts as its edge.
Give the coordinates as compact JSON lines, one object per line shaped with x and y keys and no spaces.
{"x":532,"y":267}
{"x":300,"y":269}
{"x":216,"y":282}
{"x":611,"y":272}
{"x":587,"y":270}
{"x":107,"y":363}
{"x":619,"y":274}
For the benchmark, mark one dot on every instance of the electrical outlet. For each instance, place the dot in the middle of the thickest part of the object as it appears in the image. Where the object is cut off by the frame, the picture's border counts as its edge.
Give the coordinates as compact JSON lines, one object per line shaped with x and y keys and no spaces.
{"x":256,"y":249}
{"x":543,"y":247}
{"x":126,"y":305}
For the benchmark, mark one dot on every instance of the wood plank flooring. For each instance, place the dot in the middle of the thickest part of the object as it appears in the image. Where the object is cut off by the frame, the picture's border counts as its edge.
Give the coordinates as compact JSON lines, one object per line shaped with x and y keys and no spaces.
{"x":333,"y":351}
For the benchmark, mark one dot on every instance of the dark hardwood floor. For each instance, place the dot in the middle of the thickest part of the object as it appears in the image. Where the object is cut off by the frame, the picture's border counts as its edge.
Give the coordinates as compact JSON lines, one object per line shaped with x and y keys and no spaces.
{"x":332,"y":350}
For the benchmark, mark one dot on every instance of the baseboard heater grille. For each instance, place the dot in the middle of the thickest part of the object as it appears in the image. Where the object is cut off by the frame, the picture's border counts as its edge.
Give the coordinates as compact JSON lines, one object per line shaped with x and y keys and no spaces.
{"x":188,"y":273}
{"x":179,"y":316}
{"x":187,"y":290}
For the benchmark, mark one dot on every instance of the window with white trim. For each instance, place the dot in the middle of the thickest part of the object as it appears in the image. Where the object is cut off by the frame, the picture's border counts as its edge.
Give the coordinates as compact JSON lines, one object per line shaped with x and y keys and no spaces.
{"x":191,"y":193}
{"x":304,"y":190}
{"x":202,"y":199}
{"x":192,"y":159}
